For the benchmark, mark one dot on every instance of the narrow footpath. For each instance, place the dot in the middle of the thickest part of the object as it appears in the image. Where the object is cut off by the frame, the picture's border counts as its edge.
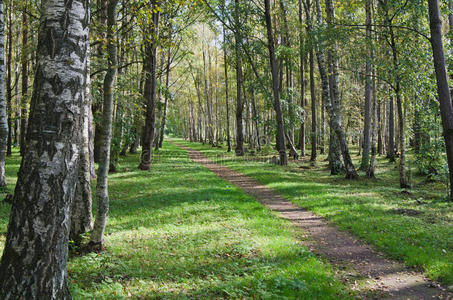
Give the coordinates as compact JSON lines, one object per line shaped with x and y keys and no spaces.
{"x":363,"y":268}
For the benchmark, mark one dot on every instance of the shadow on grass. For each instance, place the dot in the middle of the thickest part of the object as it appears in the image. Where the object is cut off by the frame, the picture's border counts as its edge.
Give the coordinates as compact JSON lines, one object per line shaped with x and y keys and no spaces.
{"x":366,"y":207}
{"x":184,"y":233}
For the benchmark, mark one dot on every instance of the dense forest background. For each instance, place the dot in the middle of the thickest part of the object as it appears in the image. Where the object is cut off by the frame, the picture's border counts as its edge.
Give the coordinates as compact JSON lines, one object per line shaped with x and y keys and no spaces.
{"x":348,"y":81}
{"x":370,"y":60}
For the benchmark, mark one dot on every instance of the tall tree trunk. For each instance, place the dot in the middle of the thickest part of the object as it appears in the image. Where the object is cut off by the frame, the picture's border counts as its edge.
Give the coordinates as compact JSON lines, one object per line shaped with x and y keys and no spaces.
{"x":16,"y":92}
{"x":166,"y":95}
{"x":102,"y":195}
{"x":450,"y":33}
{"x":207,"y":90}
{"x":239,"y":103}
{"x":374,"y":104}
{"x":82,"y":217}
{"x":3,"y":112}
{"x":443,"y":90}
{"x":226,"y":92}
{"x":302,"y":58}
{"x":324,"y":79}
{"x":158,"y":113}
{"x":397,"y":90}
{"x":381,"y":128}
{"x":335,"y":164}
{"x":281,"y":146}
{"x":255,"y":119}
{"x":33,"y":264}
{"x":9,"y":88}
{"x":314,"y":136}
{"x":102,"y":15}
{"x":24,"y":61}
{"x":91,"y":139}
{"x":391,"y":131}
{"x":150,"y":86}
{"x":367,"y":121}
{"x":417,"y":127}
{"x":286,"y":41}
{"x":333,"y":108}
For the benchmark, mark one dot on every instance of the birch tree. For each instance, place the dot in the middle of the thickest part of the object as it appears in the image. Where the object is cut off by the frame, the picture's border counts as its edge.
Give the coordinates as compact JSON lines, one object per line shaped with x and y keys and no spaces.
{"x":3,"y":114}
{"x":102,"y":194}
{"x":443,"y":89}
{"x":33,"y":264}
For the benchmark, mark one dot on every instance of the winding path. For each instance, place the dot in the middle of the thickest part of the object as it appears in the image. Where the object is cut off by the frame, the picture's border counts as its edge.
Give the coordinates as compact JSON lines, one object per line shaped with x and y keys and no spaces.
{"x":364,"y":269}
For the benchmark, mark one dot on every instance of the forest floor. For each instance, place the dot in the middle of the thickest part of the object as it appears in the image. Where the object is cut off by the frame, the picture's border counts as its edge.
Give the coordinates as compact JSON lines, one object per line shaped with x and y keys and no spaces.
{"x":180,"y":231}
{"x":365,"y":270}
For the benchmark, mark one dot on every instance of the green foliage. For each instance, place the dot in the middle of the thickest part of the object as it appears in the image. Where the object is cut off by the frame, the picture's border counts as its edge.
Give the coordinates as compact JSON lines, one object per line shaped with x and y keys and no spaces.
{"x":431,"y":160}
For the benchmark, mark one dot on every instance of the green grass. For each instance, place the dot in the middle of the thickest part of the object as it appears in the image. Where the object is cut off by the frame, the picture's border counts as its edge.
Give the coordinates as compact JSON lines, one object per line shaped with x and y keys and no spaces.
{"x":11,"y":169}
{"x":179,"y":231}
{"x":374,"y":210}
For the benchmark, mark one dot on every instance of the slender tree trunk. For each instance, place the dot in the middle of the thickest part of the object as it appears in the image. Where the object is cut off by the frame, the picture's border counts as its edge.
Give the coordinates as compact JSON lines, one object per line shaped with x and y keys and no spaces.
{"x":33,"y":264}
{"x":281,"y":146}
{"x":324,"y":79}
{"x":391,"y":131}
{"x":200,"y":111}
{"x":158,"y":113}
{"x":82,"y":218}
{"x":397,"y":89}
{"x":322,"y":125}
{"x":102,"y":195}
{"x":9,"y":88}
{"x":239,"y":103}
{"x":247,"y":118}
{"x":374,"y":104}
{"x":402,"y":138}
{"x":381,"y":128}
{"x":207,"y":84}
{"x":314,"y":136}
{"x":313,"y":107}
{"x":17,"y":116}
{"x":333,"y":108}
{"x":302,"y":58}
{"x":226,"y":92}
{"x":335,"y":164}
{"x":3,"y":112}
{"x":150,"y":87}
{"x":450,"y":34}
{"x":286,"y":41}
{"x":417,"y":127}
{"x":23,"y":120}
{"x":443,"y":90}
{"x":91,"y":132}
{"x":368,"y":82}
{"x":166,"y":95}
{"x":102,"y":15}
{"x":255,"y":119}
{"x":16,"y":103}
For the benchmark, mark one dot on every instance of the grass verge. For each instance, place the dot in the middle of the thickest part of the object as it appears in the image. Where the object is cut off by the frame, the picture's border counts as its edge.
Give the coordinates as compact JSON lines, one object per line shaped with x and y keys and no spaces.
{"x":414,"y":227}
{"x":179,"y":231}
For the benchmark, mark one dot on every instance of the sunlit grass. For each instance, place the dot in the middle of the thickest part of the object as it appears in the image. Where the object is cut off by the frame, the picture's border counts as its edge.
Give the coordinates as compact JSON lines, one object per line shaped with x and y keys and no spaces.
{"x":178,"y":231}
{"x":420,"y":233}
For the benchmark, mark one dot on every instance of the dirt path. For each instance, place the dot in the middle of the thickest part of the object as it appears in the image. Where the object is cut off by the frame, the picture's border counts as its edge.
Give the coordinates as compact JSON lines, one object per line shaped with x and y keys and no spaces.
{"x":362,"y":268}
